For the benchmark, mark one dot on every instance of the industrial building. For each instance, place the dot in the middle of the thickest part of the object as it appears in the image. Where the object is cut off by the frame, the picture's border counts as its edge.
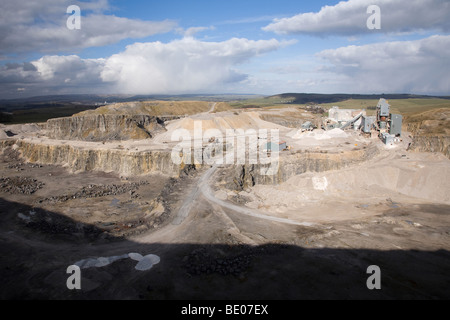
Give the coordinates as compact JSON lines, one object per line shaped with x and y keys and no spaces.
{"x":339,"y":117}
{"x":387,"y":125}
{"x":367,"y":124}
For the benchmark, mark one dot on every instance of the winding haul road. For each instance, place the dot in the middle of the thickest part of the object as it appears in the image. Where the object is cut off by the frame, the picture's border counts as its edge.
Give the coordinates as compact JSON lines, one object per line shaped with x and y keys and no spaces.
{"x":193,"y":196}
{"x":212,"y":107}
{"x":203,"y":187}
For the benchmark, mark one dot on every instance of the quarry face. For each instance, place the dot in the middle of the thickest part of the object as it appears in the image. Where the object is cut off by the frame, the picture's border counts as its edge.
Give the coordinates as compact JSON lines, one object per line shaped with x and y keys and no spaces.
{"x":102,"y":188}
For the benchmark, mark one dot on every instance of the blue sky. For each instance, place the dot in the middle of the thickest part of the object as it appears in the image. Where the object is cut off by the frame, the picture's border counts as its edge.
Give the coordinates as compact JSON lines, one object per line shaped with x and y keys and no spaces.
{"x":229,"y":19}
{"x":247,"y":46}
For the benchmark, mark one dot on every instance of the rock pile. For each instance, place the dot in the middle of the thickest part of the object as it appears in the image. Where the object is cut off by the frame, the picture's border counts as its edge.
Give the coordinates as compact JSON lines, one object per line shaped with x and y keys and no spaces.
{"x":97,"y":191}
{"x":16,"y":166}
{"x":20,"y":185}
{"x":55,"y":224}
{"x":201,"y":262}
{"x":315,"y":109}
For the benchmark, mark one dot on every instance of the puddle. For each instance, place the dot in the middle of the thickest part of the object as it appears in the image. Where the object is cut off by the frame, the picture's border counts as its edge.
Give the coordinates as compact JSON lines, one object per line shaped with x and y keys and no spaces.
{"x":145,"y":263}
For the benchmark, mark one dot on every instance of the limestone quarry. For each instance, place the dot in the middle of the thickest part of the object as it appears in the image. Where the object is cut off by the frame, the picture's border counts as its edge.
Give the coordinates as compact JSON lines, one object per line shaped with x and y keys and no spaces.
{"x":336,"y":200}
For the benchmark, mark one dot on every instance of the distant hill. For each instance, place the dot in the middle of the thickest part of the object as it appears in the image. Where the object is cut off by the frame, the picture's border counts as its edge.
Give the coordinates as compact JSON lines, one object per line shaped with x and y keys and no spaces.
{"x":42,"y":108}
{"x":313,"y":98}
{"x":57,"y":101}
{"x":91,"y":100}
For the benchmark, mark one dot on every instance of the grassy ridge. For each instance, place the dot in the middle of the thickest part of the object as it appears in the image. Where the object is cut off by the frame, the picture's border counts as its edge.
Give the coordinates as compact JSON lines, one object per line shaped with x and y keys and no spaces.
{"x":430,"y":123}
{"x":159,"y":108}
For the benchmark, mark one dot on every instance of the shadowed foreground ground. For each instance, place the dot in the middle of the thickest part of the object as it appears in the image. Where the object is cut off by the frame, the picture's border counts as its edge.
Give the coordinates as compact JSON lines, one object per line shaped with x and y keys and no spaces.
{"x":35,"y":258}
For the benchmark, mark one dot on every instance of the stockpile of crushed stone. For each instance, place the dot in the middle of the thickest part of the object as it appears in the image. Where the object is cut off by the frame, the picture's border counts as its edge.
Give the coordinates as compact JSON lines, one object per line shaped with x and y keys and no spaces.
{"x":20,"y":185}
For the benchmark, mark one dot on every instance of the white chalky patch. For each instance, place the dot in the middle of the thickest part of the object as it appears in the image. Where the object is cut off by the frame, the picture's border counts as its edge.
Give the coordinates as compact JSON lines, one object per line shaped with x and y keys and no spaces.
{"x":136,"y":256}
{"x":145,"y":263}
{"x":148,"y":262}
{"x":320,"y":183}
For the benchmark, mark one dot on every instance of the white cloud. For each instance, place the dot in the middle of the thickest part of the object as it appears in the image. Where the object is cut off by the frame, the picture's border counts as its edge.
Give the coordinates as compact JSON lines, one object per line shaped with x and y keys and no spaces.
{"x":52,"y":75}
{"x":27,"y":26}
{"x":69,"y":69}
{"x":186,"y":65}
{"x":350,"y":18}
{"x":419,"y":66}
{"x":182,"y":66}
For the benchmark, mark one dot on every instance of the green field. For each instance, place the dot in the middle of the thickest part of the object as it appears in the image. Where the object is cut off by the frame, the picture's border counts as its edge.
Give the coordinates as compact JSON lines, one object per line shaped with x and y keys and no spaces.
{"x":260,"y":102}
{"x":37,"y":115}
{"x":401,"y":106}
